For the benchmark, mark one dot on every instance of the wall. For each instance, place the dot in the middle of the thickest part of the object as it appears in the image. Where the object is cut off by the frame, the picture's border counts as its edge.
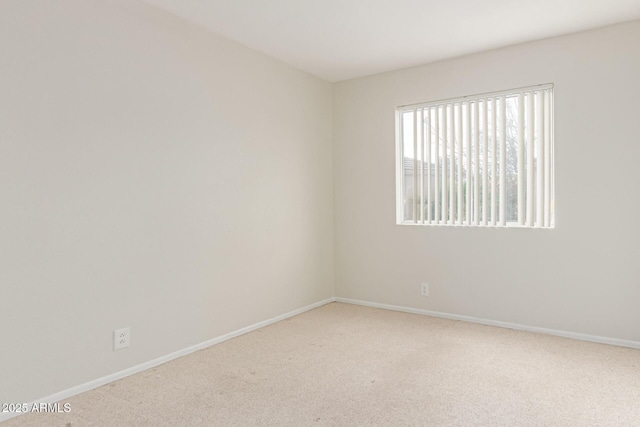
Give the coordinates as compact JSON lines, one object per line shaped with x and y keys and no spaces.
{"x":152,"y":175}
{"x":581,"y":277}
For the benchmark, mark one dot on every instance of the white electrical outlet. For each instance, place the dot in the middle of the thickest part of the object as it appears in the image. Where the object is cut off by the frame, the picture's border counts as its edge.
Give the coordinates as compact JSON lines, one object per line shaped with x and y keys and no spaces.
{"x":424,"y":289}
{"x":121,"y":338}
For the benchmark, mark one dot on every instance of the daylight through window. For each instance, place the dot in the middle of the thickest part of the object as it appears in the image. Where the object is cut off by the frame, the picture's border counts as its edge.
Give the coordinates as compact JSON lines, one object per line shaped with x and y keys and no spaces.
{"x":484,"y":160}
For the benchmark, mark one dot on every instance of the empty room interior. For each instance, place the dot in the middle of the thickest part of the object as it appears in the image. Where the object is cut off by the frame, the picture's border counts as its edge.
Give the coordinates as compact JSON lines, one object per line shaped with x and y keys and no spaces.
{"x":292,"y":213}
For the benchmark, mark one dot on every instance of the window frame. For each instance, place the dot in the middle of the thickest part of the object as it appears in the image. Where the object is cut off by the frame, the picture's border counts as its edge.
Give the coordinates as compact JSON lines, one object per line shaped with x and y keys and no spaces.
{"x":540,"y":101}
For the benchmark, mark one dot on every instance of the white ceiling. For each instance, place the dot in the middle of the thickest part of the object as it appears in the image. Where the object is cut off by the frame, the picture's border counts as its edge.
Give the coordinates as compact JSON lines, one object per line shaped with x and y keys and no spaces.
{"x":342,"y":39}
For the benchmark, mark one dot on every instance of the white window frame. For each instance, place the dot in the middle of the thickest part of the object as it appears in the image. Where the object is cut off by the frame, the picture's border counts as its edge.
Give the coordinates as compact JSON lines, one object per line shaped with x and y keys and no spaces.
{"x":472,"y":130}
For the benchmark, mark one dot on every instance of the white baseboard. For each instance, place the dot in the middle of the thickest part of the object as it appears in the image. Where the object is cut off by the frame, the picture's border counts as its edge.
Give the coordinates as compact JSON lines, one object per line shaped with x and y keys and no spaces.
{"x":164,"y":359}
{"x":565,"y":334}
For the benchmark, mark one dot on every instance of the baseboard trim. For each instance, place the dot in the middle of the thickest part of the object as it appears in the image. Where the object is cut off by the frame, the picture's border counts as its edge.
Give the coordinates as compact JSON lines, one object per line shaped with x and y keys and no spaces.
{"x":508,"y":325}
{"x":56,"y":397}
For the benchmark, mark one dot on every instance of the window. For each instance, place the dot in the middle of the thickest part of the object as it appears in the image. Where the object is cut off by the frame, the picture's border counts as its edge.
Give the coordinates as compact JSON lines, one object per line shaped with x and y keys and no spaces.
{"x":483,"y":160}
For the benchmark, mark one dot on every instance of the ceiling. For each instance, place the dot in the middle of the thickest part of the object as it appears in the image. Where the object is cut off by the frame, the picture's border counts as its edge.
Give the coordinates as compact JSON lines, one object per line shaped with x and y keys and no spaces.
{"x":343,"y":39}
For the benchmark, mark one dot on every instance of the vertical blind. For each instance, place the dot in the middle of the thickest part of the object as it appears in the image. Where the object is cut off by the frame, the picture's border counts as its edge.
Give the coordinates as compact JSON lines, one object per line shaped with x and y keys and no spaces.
{"x":482,"y":160}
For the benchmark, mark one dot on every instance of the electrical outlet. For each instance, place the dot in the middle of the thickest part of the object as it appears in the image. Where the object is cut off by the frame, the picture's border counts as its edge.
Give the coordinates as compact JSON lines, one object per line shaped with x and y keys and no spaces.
{"x":424,"y":289}
{"x":121,"y":338}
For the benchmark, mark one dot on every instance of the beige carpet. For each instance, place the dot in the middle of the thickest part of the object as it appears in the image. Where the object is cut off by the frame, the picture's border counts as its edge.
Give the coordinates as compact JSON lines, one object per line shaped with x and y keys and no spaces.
{"x":345,"y":365}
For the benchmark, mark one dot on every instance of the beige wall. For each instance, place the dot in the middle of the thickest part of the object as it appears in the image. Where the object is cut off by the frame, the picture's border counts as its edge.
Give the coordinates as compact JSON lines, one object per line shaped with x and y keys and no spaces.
{"x":152,"y":175}
{"x":583,"y":276}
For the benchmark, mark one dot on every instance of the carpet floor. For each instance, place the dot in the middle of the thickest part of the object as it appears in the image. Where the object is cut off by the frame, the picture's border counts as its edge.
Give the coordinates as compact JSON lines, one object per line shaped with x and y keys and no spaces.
{"x":347,"y":365}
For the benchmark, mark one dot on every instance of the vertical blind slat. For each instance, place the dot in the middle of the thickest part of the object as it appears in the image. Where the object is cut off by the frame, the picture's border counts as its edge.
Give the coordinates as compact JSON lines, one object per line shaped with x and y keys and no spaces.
{"x":521,"y":212}
{"x":547,"y":158}
{"x":427,"y":143}
{"x":485,"y":165}
{"x":540,"y":161}
{"x":494,"y":161}
{"x":436,"y":159}
{"x":459,"y":159}
{"x":530,"y":211}
{"x":452,"y":166}
{"x":415,"y":168}
{"x":445,"y":183}
{"x":401,"y":161}
{"x":421,"y":163}
{"x":468,"y":185}
{"x":503,"y":161}
{"x":476,"y":158}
